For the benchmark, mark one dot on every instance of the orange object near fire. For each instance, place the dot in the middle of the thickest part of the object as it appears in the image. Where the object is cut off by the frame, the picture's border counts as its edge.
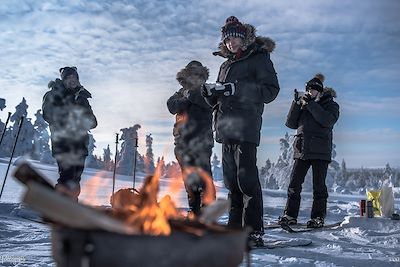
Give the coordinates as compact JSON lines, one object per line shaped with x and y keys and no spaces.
{"x":143,"y":211}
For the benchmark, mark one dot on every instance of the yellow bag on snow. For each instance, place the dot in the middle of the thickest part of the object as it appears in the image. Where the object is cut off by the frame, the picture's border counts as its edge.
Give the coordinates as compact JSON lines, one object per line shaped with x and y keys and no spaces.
{"x":374,"y":196}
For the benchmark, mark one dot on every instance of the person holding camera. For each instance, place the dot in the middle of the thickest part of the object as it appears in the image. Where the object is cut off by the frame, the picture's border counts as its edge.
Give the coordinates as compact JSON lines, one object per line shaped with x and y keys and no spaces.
{"x":66,"y":108}
{"x":246,"y":81}
{"x":192,"y":131}
{"x":313,"y":115}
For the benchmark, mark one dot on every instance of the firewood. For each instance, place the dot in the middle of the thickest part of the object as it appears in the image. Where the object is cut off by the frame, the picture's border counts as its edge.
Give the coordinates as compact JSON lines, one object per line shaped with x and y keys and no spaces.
{"x":58,"y":208}
{"x":63,"y":210}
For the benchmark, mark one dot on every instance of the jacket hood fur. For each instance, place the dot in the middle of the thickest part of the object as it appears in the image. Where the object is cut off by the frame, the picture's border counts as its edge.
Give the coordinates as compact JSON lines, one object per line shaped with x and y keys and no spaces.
{"x":263,"y":44}
{"x":58,"y":86}
{"x":331,"y":91}
{"x":183,"y":75}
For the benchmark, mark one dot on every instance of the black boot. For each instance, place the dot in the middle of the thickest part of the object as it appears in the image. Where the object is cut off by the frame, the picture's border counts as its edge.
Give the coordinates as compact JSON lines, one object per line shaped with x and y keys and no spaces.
{"x":255,"y":239}
{"x":315,"y":223}
{"x":286,"y":219}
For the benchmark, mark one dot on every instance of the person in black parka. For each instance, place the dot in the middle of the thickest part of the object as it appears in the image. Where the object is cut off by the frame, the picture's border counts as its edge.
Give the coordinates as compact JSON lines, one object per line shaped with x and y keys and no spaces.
{"x":67,"y":110}
{"x":192,"y":130}
{"x":246,"y":82}
{"x":314,"y":116}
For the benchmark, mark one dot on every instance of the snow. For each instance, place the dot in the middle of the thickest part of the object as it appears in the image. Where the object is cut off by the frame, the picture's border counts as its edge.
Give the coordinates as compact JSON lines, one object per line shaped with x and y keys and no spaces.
{"x":357,"y":242}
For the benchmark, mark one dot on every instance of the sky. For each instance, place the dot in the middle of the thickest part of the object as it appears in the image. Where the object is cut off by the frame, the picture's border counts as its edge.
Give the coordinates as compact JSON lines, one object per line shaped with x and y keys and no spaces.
{"x":128,"y":54}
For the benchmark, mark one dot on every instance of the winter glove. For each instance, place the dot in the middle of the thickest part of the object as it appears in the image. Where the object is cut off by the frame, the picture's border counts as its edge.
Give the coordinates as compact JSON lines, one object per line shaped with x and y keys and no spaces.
{"x":218,"y":89}
{"x":186,"y":93}
{"x":304,"y":100}
{"x":297,"y":95}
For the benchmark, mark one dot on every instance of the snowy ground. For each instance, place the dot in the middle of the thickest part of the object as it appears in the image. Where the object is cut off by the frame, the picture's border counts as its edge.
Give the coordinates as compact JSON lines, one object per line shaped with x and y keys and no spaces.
{"x":359,"y":242}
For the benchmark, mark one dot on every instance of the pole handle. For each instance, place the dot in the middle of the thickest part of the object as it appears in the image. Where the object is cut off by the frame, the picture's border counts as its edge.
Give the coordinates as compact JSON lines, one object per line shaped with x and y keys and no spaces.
{"x":116,"y":138}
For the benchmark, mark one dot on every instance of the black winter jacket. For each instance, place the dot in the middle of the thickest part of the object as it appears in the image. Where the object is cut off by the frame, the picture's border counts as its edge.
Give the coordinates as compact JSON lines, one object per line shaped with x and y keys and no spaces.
{"x":193,"y":119}
{"x":239,"y":117}
{"x":314,"y":124}
{"x":70,"y":117}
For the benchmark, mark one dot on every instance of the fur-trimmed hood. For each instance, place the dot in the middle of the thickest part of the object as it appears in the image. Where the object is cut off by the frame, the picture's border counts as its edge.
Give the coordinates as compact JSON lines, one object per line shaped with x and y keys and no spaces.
{"x":262,"y":44}
{"x":331,"y":91}
{"x":194,"y":67}
{"x":58,"y":87}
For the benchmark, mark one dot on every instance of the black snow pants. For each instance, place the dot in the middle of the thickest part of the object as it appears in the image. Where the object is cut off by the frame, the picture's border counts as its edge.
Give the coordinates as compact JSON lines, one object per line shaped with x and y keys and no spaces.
{"x":201,"y":160}
{"x":70,"y":173}
{"x":320,"y":192}
{"x":241,"y":178}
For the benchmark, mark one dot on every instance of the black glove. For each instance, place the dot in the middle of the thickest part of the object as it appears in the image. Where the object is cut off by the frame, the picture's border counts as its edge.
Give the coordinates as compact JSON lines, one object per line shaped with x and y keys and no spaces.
{"x":304,"y":100}
{"x":298,"y":95}
{"x":218,"y":89}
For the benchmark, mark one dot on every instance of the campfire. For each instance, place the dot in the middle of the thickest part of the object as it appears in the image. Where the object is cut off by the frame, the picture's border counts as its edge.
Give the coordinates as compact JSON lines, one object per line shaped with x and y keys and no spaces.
{"x":138,"y":230}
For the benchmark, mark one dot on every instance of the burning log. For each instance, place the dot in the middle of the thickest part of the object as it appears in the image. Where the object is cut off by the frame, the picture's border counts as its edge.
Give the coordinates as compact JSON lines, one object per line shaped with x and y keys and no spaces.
{"x":58,"y":208}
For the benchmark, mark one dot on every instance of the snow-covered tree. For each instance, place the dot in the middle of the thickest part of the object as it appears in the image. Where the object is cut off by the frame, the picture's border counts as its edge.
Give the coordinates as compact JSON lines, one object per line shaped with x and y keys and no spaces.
{"x":107,"y":162}
{"x":149,"y":159}
{"x":25,"y":139}
{"x":161,"y":165}
{"x":267,"y":177}
{"x":216,"y":169}
{"x":334,"y":171}
{"x":107,"y":154}
{"x":285,"y":145}
{"x":128,"y":150}
{"x":41,"y":148}
{"x":280,"y":171}
{"x":173,"y":170}
{"x":344,"y":169}
{"x":269,"y":180}
{"x":91,"y":160}
{"x":266,"y":168}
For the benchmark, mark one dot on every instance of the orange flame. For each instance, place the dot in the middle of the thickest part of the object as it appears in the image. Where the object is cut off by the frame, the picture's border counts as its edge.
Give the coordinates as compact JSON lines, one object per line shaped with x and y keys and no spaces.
{"x":151,"y":216}
{"x":90,"y":188}
{"x":175,"y":183}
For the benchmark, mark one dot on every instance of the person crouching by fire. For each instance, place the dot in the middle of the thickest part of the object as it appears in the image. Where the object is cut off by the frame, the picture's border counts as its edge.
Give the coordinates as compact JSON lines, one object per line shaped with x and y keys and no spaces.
{"x":192,"y":131}
{"x":67,"y":110}
{"x":313,"y":115}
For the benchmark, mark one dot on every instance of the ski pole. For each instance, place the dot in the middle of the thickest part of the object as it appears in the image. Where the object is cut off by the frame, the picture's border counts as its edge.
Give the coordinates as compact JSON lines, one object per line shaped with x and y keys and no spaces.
{"x":134,"y":164}
{"x":5,"y":127}
{"x":115,"y":167}
{"x":12,"y":154}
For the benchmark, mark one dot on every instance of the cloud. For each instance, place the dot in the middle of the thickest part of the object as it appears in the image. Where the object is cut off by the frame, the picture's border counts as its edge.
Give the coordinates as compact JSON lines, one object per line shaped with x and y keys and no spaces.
{"x":370,"y":136}
{"x":128,"y":53}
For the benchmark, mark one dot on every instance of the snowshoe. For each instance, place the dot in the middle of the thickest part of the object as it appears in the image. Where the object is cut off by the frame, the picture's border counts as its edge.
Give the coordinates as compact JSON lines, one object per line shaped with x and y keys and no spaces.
{"x":287,"y":220}
{"x":316,"y":223}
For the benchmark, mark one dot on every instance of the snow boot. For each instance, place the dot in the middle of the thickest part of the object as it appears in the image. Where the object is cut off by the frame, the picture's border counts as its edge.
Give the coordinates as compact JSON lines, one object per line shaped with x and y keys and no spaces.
{"x":286,"y":219}
{"x":255,"y":239}
{"x":315,"y":223}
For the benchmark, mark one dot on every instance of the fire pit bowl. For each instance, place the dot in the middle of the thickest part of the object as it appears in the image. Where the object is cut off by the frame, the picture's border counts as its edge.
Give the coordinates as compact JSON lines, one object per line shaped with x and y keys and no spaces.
{"x":74,"y":247}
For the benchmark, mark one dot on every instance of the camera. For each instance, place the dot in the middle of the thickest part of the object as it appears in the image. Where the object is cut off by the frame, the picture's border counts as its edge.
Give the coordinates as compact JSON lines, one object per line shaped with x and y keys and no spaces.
{"x":298,"y":95}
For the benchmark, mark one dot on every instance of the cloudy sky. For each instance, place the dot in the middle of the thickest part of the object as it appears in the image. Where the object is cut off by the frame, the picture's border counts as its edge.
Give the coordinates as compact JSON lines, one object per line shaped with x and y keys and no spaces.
{"x":128,"y":53}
